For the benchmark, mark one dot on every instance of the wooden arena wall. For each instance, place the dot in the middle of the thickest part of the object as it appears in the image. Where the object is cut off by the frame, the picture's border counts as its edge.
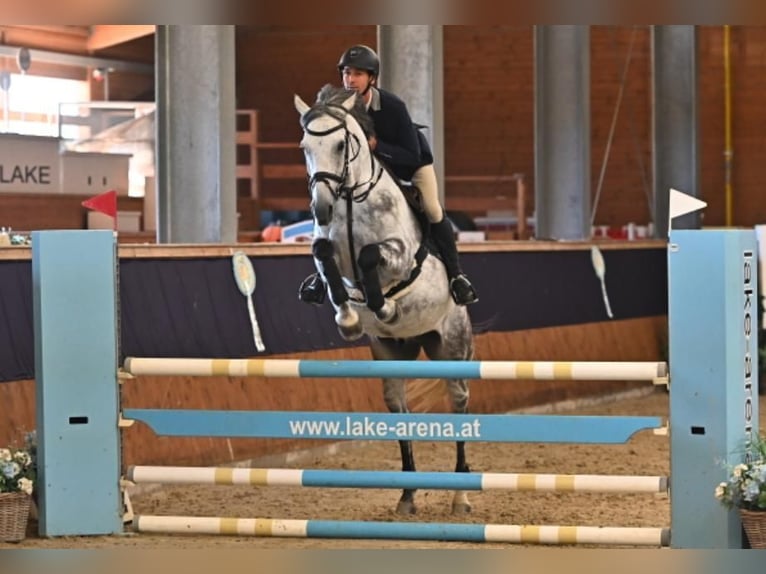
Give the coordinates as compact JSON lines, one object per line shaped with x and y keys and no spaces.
{"x":628,"y":340}
{"x":541,"y":301}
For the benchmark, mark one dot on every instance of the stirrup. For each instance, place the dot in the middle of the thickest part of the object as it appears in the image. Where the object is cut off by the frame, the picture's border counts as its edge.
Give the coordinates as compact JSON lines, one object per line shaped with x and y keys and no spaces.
{"x":312,"y":290}
{"x":462,"y":291}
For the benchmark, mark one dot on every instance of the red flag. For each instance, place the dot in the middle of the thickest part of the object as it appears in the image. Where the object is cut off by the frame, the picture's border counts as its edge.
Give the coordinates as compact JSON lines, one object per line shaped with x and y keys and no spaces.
{"x":105,"y":203}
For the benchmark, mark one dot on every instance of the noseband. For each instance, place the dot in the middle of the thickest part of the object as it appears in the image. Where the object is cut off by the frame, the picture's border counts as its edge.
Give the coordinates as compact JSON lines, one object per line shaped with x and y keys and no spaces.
{"x":346,"y":192}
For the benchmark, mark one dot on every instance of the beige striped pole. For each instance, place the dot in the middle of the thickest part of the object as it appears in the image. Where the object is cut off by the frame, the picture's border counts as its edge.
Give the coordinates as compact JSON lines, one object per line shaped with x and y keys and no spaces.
{"x":518,"y":534}
{"x":396,"y":479}
{"x":534,"y":370}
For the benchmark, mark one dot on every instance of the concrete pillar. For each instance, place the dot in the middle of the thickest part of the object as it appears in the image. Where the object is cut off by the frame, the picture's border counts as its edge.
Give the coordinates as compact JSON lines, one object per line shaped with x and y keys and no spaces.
{"x":412,"y":67}
{"x":562,"y":132}
{"x":196,"y":130}
{"x":675,"y":140}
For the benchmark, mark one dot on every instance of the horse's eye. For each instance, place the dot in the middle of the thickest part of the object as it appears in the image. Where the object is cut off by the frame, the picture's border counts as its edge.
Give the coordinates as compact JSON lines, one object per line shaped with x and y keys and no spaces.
{"x":340,"y":146}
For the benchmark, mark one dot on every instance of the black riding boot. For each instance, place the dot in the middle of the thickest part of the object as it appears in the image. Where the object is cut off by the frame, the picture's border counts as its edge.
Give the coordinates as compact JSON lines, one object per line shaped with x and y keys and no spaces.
{"x":462,"y":291}
{"x":312,"y":290}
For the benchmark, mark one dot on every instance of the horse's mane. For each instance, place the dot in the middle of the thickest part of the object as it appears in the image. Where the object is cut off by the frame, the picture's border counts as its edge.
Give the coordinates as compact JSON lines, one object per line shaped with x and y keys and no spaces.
{"x":330,"y":95}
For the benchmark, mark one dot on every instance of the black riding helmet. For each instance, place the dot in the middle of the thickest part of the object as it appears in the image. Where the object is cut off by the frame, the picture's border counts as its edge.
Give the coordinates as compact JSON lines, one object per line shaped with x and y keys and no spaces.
{"x":360,"y":57}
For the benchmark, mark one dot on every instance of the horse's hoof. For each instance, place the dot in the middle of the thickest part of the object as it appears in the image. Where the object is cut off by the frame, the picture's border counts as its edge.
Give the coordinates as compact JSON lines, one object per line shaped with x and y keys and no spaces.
{"x":460,"y":503}
{"x":388,"y":314}
{"x":406,"y":508}
{"x":461,"y":508}
{"x":349,"y":326}
{"x":350,"y":332}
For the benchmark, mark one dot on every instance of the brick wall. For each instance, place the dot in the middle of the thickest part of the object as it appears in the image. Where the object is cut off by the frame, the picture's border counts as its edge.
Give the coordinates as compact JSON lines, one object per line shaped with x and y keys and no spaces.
{"x":489,"y":99}
{"x":276,"y":62}
{"x":489,"y":103}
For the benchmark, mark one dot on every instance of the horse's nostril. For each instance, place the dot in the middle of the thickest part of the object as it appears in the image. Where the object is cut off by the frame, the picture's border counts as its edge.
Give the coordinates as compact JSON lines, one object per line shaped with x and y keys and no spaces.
{"x":322,"y":213}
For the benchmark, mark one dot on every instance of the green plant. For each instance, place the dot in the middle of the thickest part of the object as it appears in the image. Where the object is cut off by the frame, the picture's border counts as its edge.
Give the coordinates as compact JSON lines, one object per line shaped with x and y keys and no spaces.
{"x":746,"y":485}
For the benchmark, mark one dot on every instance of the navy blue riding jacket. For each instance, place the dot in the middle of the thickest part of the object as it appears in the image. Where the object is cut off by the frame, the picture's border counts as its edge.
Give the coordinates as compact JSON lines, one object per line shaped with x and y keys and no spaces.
{"x":401,"y":145}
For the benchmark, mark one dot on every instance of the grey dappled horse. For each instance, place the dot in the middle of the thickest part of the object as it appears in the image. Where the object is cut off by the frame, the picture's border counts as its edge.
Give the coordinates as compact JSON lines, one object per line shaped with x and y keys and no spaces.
{"x":369,"y":249}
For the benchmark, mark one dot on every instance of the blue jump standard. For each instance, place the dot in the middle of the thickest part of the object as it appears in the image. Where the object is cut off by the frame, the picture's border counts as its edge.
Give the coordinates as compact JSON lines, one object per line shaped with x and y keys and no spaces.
{"x":393,"y":426}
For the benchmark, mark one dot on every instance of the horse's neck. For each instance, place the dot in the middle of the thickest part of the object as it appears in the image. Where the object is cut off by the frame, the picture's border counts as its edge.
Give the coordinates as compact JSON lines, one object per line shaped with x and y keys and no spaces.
{"x":372,"y":177}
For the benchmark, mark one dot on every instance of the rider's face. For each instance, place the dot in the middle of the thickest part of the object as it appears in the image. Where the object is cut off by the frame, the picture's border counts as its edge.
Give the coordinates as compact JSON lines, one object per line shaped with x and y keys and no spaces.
{"x":356,"y":79}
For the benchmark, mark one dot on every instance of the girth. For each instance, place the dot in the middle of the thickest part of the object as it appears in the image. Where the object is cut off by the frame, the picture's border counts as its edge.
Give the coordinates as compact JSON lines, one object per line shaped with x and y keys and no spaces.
{"x":420,"y":256}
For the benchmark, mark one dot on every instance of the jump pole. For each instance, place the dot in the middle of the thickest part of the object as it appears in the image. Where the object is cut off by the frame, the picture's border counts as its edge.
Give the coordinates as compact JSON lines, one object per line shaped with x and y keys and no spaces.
{"x":518,"y":534}
{"x":397,"y":479}
{"x":533,"y":370}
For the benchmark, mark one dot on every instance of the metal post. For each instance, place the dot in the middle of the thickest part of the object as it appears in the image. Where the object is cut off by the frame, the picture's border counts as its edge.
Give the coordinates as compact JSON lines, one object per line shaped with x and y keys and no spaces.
{"x":196,"y":135}
{"x":675,"y":125}
{"x":412,"y":67}
{"x":562,"y":132}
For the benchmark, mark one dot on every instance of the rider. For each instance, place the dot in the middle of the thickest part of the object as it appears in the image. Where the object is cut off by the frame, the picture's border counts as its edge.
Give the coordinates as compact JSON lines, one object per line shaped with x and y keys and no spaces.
{"x":398,"y":145}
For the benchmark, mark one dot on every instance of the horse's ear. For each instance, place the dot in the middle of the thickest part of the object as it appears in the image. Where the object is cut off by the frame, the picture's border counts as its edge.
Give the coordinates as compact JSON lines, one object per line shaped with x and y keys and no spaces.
{"x":300,"y":105}
{"x":350,"y":101}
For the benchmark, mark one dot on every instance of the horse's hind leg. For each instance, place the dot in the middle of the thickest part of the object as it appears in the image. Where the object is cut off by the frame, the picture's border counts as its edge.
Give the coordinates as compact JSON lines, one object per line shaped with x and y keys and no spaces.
{"x":458,"y":390}
{"x":455,"y":342}
{"x":346,"y":318}
{"x":394,"y":394}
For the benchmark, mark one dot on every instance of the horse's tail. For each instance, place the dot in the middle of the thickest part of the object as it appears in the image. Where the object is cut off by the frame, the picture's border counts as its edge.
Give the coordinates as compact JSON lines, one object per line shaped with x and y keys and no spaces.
{"x":484,"y":326}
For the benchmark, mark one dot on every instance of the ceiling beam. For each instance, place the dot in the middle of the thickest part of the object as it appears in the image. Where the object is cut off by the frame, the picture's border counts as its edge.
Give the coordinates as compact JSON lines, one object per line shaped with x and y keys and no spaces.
{"x":58,"y":38}
{"x":80,"y":61}
{"x":108,"y":35}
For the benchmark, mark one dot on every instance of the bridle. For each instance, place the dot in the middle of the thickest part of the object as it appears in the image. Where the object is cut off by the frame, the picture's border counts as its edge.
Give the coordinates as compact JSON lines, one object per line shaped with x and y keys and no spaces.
{"x":349,"y":192}
{"x":341,"y":190}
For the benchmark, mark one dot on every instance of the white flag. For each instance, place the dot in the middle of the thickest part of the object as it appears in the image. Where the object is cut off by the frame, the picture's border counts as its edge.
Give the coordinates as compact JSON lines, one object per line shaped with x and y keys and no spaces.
{"x":680,"y":204}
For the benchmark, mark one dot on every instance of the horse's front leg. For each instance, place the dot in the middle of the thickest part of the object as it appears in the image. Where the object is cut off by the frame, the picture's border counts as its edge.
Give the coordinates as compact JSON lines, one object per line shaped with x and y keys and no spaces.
{"x":346,"y":317}
{"x":371,"y":259}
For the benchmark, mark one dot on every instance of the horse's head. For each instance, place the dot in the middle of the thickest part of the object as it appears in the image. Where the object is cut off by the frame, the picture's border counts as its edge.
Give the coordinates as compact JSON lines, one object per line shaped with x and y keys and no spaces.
{"x":332,"y":140}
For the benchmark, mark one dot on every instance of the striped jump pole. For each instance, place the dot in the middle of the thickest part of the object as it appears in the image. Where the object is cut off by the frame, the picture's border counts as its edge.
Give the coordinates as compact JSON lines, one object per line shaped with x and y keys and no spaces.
{"x":266,"y":527}
{"x":397,"y":479}
{"x":528,"y":370}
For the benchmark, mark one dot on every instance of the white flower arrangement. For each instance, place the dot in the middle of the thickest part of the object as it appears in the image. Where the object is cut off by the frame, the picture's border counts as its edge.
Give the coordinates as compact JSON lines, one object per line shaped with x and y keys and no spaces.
{"x":746,"y":486}
{"x":18,"y":468}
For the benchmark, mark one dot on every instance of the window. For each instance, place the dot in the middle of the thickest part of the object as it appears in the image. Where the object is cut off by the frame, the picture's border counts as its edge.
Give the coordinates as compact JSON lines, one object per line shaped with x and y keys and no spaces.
{"x":30,"y":106}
